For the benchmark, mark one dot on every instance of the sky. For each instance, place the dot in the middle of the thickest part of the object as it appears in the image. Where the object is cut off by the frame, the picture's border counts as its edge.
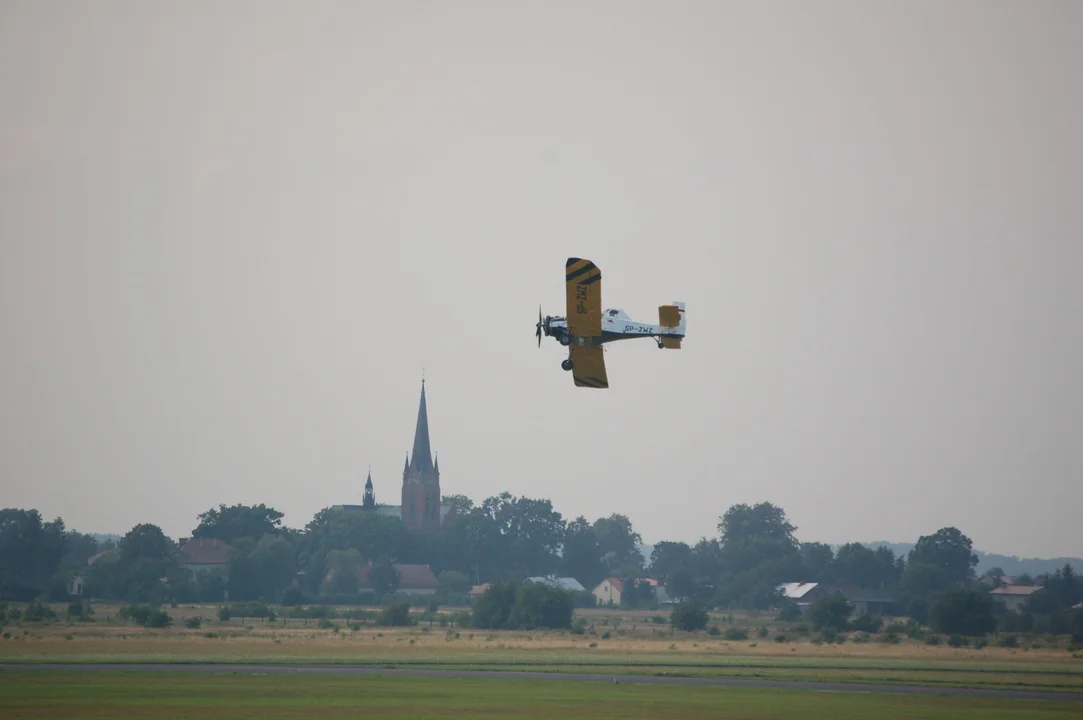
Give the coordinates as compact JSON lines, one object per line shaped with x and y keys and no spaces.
{"x":234,"y":235}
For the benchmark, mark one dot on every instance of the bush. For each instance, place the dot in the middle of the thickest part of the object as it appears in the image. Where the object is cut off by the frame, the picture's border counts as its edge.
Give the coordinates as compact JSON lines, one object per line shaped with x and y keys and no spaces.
{"x":159,"y":619}
{"x":788,"y":611}
{"x":958,"y":641}
{"x":713,"y":630}
{"x":830,"y":612}
{"x":224,"y":614}
{"x":867,"y":623}
{"x":689,"y":615}
{"x":395,"y":615}
{"x":963,"y":612}
{"x":292,"y":597}
{"x":510,"y":605}
{"x":762,"y":632}
{"x":1009,"y":641}
{"x":735,"y":633}
{"x":932,"y":640}
{"x":780,"y":638}
{"x":37,"y":612}
{"x":193,"y":622}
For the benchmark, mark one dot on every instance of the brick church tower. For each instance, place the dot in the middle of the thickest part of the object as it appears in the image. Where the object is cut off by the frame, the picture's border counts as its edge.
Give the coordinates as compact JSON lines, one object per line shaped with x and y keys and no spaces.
{"x":421,"y":478}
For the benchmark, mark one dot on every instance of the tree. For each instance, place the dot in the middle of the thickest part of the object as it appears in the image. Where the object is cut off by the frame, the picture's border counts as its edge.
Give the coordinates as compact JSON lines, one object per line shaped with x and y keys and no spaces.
{"x":816,"y":562}
{"x":949,"y":549}
{"x":1066,"y":586}
{"x":668,"y":556}
{"x":961,"y":611}
{"x":453,"y":582}
{"x":690,"y":615}
{"x":540,"y":606}
{"x":830,"y":613}
{"x":384,"y":578}
{"x":493,"y":609}
{"x":459,"y":504}
{"x":30,"y":552}
{"x":582,"y":554}
{"x":230,"y":523}
{"x":996,"y":576}
{"x":531,"y":530}
{"x":618,"y":542}
{"x":681,"y":584}
{"x":741,"y":525}
{"x":145,"y":542}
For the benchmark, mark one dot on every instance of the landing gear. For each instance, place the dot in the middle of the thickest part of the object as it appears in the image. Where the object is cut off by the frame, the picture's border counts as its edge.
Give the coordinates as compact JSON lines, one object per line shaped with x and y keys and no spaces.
{"x":566,"y":364}
{"x":660,"y":345}
{"x":565,"y":340}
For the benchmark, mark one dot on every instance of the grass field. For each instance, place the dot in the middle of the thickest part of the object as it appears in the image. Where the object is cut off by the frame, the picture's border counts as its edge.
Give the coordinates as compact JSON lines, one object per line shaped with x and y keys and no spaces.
{"x":622,"y":644}
{"x":76,"y":695}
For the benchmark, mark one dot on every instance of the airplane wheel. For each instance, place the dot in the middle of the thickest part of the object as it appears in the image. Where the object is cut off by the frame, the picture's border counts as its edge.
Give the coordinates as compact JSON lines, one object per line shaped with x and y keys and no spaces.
{"x":566,"y":364}
{"x":565,"y":340}
{"x":661,"y":346}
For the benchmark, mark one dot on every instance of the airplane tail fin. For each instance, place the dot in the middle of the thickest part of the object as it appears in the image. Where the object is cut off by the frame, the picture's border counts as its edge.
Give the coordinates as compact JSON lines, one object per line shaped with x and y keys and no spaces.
{"x":672,"y":319}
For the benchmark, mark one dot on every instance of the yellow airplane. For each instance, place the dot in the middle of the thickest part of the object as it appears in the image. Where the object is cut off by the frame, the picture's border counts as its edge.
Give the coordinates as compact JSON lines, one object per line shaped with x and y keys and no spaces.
{"x":586,"y":327}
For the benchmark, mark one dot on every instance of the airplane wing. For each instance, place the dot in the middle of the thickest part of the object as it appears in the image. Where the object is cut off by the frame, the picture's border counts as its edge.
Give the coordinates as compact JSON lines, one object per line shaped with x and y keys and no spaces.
{"x":588,"y":367}
{"x":583,"y":282}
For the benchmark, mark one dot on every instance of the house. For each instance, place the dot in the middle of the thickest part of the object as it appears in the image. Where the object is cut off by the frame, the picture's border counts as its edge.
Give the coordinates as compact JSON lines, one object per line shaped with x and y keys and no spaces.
{"x":804,"y":594}
{"x":197,"y":555}
{"x":413,"y":579}
{"x":478,"y":590}
{"x":565,"y":583}
{"x":658,"y":589}
{"x":1013,"y":596}
{"x":608,"y":591}
{"x":866,"y":602}
{"x":75,"y":585}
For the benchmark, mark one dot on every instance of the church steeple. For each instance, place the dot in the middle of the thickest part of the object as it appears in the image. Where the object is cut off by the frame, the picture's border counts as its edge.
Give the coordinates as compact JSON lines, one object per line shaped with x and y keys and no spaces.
{"x":370,"y":496}
{"x":421,"y":478}
{"x":421,"y":458}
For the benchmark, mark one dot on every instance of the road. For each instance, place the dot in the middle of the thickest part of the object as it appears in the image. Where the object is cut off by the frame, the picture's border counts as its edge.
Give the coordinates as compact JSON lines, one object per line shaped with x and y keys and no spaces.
{"x":260,"y":669}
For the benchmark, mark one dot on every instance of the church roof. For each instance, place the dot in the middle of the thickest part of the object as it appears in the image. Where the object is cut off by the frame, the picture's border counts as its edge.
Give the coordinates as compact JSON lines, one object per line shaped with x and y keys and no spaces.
{"x":421,"y":457}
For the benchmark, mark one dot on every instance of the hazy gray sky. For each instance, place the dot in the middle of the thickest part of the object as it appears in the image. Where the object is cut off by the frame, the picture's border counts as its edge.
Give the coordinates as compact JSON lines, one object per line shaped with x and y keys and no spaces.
{"x":233,"y":233}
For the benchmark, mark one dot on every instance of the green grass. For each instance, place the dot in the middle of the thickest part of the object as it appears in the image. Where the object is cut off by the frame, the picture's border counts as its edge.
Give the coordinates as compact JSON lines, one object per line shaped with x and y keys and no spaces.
{"x":60,"y":694}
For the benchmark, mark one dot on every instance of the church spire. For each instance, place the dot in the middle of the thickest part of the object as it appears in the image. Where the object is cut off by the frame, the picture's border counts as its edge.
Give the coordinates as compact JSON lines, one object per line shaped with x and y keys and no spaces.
{"x":421,"y":458}
{"x":370,"y":496}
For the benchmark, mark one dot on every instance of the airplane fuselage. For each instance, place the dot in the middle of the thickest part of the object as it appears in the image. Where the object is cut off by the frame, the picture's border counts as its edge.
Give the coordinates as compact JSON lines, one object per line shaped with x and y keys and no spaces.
{"x":616,"y":325}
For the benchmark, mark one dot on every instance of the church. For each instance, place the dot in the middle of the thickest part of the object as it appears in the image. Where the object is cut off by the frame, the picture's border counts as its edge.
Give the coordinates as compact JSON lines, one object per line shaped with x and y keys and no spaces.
{"x":422,"y":509}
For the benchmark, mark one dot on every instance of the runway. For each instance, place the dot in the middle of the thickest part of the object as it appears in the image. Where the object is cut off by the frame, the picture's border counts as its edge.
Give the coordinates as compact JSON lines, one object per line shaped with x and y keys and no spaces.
{"x":268,"y":669}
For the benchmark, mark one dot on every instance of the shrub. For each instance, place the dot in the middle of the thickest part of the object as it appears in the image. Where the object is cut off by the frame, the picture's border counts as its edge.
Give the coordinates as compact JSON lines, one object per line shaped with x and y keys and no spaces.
{"x":713,"y":630}
{"x":788,"y":611}
{"x":735,"y":633}
{"x":689,"y":615}
{"x":193,"y":622}
{"x":980,"y":644}
{"x":958,"y":641}
{"x":762,"y":632}
{"x":932,"y":640}
{"x":395,"y":615}
{"x":867,"y":623}
{"x":961,"y":611}
{"x":780,"y":638}
{"x":159,"y":619}
{"x":1009,"y":641}
{"x":830,"y":612}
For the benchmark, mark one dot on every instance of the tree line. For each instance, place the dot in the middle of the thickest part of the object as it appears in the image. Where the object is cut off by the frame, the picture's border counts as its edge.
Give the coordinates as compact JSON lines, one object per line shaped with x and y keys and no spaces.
{"x":754,"y":551}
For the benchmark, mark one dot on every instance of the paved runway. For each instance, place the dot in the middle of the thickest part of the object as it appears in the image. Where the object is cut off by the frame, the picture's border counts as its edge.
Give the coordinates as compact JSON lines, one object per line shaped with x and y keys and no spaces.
{"x":259,"y":669}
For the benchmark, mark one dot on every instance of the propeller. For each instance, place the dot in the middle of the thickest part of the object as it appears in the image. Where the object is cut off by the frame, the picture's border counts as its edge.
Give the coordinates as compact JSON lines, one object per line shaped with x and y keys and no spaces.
{"x":539,"y":325}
